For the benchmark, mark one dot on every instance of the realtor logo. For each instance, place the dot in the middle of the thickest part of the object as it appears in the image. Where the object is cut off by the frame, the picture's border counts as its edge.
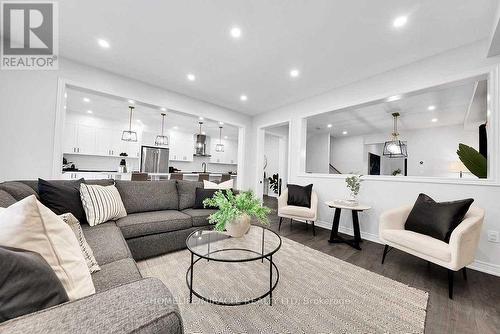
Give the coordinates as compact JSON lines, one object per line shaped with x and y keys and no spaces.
{"x":29,"y":35}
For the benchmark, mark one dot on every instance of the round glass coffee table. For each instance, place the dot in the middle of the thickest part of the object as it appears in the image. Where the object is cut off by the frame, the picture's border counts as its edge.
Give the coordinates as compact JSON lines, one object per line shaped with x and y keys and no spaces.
{"x":259,"y":243}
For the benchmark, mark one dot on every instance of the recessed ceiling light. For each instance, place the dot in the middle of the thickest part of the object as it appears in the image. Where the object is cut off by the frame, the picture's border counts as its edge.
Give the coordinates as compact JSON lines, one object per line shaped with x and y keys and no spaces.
{"x":329,"y":125}
{"x":400,"y":21}
{"x":64,"y":107}
{"x":221,"y":123}
{"x":393,"y":98}
{"x":163,"y":109}
{"x":294,"y":73}
{"x":139,"y":121}
{"x":243,"y":97}
{"x":203,"y":132}
{"x":191,"y":77}
{"x":65,"y":95}
{"x":434,"y":120}
{"x":86,"y":99}
{"x":235,"y":32}
{"x":344,"y":132}
{"x":431,"y":108}
{"x":176,"y":127}
{"x":200,"y":118}
{"x":131,"y":101}
{"x":90,"y":112}
{"x":225,"y":137}
{"x":103,"y":43}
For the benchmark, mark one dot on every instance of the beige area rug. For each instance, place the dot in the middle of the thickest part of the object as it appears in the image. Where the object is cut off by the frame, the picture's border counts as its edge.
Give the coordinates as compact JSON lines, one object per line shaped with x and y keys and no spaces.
{"x":316,"y":293}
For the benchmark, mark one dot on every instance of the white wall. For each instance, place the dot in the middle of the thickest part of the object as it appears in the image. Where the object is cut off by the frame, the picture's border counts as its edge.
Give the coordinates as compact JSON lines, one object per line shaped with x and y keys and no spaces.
{"x":28,"y":113}
{"x":350,"y":154}
{"x":346,"y":154}
{"x":318,"y":153}
{"x":383,"y":195}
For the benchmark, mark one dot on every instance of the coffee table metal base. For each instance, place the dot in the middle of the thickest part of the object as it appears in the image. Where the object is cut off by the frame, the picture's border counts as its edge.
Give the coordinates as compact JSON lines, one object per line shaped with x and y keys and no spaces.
{"x":272,"y":282}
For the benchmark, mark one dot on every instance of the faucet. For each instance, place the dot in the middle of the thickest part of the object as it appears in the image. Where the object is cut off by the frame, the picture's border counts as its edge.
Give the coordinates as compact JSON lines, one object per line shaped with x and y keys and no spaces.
{"x":204,"y":166}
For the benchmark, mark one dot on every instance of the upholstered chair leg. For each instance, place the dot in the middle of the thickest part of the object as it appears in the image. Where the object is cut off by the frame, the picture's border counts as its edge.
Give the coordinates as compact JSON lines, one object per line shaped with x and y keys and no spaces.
{"x":450,"y":283}
{"x":464,"y":273}
{"x":386,"y":249}
{"x":279,"y":227}
{"x":291,"y":221}
{"x":314,"y":230}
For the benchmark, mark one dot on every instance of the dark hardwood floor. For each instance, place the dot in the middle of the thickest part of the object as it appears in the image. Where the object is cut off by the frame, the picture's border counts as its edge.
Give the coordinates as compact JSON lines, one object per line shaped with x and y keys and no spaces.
{"x":476,"y":304}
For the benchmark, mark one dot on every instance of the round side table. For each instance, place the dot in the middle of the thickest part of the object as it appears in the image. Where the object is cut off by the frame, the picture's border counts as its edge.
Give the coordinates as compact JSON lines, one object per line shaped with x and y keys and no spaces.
{"x":334,"y":235}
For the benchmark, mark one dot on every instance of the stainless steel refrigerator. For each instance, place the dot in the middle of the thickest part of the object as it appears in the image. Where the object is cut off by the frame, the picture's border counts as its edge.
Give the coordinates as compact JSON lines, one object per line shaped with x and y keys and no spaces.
{"x":154,"y":159}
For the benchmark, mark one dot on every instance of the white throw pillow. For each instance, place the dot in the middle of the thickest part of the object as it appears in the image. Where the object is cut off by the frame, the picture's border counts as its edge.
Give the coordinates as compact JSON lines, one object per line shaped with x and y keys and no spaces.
{"x":101,"y":203}
{"x":223,"y":185}
{"x":29,"y":225}
{"x":87,"y":252}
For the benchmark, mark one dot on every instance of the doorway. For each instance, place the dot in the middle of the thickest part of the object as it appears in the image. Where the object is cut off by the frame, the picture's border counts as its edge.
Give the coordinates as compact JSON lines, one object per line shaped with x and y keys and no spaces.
{"x":273,"y":172}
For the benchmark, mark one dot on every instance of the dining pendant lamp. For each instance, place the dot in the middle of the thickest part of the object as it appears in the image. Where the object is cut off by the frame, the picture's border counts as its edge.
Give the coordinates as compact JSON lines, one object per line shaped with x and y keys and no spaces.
{"x":395,"y":148}
{"x":220,"y":147}
{"x":129,"y":135}
{"x":162,"y":140}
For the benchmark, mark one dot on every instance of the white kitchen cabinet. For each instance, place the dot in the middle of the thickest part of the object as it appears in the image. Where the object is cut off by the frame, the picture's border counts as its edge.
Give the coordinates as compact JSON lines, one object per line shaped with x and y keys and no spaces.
{"x":230,"y":154}
{"x":181,"y":146}
{"x":108,"y":142}
{"x":79,"y":138}
{"x":69,"y":138}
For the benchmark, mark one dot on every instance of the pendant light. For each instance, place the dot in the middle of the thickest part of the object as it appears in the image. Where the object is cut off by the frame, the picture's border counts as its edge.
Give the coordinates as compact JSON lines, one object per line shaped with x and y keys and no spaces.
{"x":220,"y":147}
{"x":395,"y":148}
{"x":162,"y":140}
{"x":129,"y":135}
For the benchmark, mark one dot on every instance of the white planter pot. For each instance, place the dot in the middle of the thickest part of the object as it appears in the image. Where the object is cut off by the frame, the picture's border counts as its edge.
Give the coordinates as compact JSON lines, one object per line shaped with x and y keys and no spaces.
{"x":238,"y":227}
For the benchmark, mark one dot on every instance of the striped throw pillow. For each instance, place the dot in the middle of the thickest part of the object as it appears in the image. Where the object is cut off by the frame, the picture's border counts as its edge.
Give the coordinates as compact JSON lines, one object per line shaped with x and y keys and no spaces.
{"x":101,"y":203}
{"x":87,"y":252}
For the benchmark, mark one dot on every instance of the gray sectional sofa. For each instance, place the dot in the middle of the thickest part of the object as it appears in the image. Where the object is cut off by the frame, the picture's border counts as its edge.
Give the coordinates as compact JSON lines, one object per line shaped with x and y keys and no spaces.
{"x":160,"y":217}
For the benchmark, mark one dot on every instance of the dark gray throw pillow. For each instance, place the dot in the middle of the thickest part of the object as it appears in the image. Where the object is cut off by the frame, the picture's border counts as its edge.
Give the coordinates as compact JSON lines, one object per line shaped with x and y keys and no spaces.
{"x":62,"y":197}
{"x":299,"y":195}
{"x":435,"y":219}
{"x":201,"y":195}
{"x":27,"y":284}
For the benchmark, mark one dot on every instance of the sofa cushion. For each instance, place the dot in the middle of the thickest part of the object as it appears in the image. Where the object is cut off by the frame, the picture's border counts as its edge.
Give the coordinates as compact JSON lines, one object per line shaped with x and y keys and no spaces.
{"x":18,"y":190}
{"x":420,"y":243}
{"x":199,"y":216}
{"x":62,"y":198}
{"x":6,"y":199}
{"x":143,"y":196}
{"x":435,"y":219}
{"x":187,"y":193}
{"x":299,"y":195}
{"x":116,"y":273}
{"x":107,"y":242}
{"x":29,"y":225}
{"x":145,"y":223}
{"x":297,"y":211}
{"x":27,"y":284}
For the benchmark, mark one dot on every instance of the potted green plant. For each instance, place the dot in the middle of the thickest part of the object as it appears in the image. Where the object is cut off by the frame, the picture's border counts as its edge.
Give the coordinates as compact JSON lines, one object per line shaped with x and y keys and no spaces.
{"x":235,"y":212}
{"x":354,"y":185}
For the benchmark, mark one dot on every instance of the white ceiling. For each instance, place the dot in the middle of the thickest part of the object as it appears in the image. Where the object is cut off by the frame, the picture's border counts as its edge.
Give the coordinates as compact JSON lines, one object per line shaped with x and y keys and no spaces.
{"x":451,"y":104}
{"x":114,"y":108}
{"x":332,"y":43}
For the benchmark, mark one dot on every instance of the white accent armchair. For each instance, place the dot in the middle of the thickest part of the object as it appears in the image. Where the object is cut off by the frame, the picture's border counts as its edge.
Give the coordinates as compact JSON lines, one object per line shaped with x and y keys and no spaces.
{"x":298,"y":213}
{"x":454,"y":256}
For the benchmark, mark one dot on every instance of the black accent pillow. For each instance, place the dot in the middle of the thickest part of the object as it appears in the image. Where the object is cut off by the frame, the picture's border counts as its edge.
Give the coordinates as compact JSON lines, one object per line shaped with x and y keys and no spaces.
{"x":27,"y":284}
{"x":299,"y":195}
{"x":62,"y":197}
{"x":201,"y":195}
{"x":435,"y":219}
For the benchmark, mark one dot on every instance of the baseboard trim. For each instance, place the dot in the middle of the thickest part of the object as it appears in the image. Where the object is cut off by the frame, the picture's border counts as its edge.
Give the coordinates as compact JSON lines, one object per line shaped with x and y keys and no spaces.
{"x":485,"y":267}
